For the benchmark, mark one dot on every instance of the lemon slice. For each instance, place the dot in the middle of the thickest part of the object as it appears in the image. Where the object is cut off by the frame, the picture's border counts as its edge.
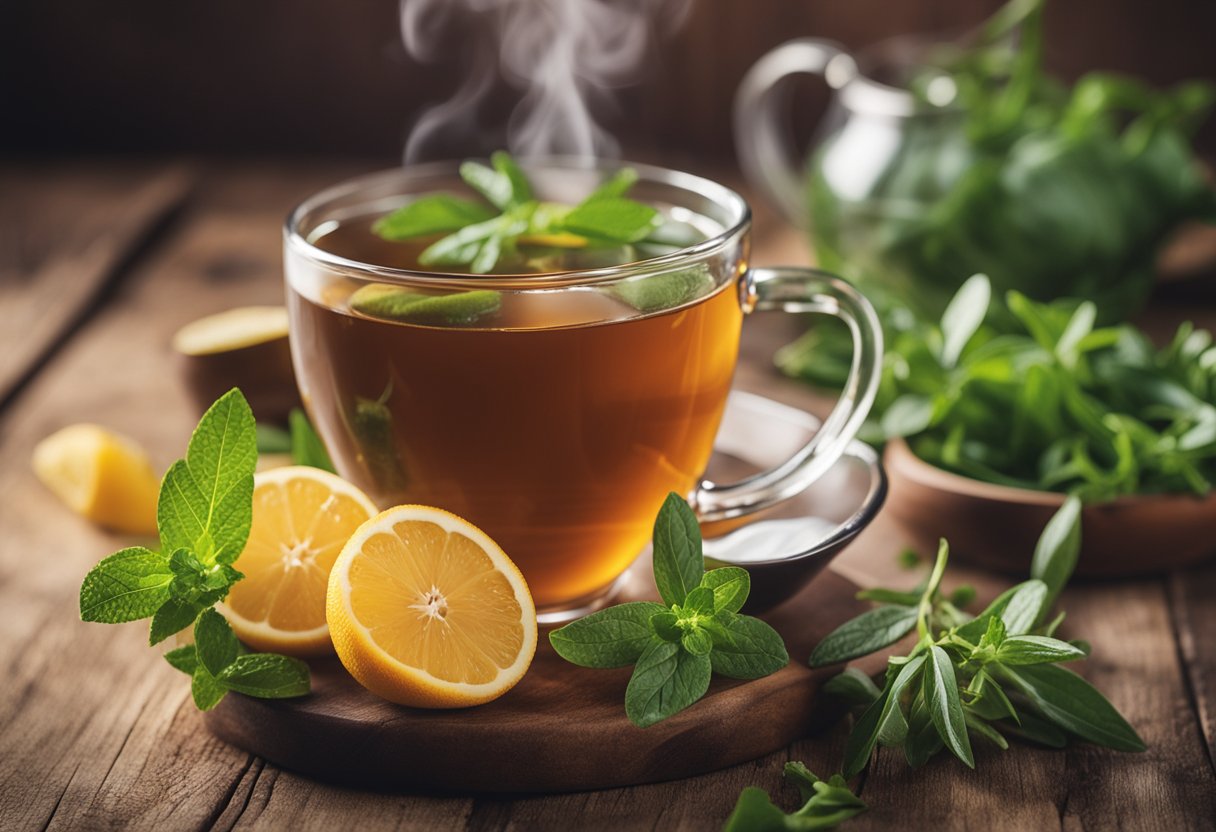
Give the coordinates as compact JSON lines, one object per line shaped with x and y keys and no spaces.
{"x":426,"y":610}
{"x":301,"y":519}
{"x":100,"y":475}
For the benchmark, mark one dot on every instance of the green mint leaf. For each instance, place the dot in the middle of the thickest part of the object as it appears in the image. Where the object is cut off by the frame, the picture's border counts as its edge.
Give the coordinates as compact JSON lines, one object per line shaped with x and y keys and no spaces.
{"x":616,"y":185}
{"x":1022,"y":650}
{"x":520,"y":190}
{"x":860,"y":636}
{"x":396,"y":303}
{"x":272,"y":439}
{"x":490,"y":183}
{"x":215,"y":642}
{"x":668,"y":290}
{"x":266,"y":676}
{"x":963,"y":317}
{"x":174,"y":615}
{"x":945,"y":708}
{"x":462,"y":246}
{"x":184,"y":563}
{"x":666,"y":626}
{"x":699,"y":601}
{"x":730,"y":586}
{"x":306,"y":447}
{"x":755,"y":650}
{"x":865,"y":733}
{"x":183,"y":659}
{"x":436,"y":214}
{"x":613,"y":219}
{"x":206,"y":689}
{"x":1073,"y":704}
{"x":889,"y":596}
{"x":1024,"y":608}
{"x":128,"y":585}
{"x":678,"y":563}
{"x":206,"y":499}
{"x":697,"y":641}
{"x":1055,"y":555}
{"x":612,"y":637}
{"x":665,"y":681}
{"x":853,"y":686}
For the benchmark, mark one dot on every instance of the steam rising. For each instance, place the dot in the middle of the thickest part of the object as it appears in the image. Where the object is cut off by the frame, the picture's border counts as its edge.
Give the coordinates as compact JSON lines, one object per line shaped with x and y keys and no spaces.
{"x":564,"y":56}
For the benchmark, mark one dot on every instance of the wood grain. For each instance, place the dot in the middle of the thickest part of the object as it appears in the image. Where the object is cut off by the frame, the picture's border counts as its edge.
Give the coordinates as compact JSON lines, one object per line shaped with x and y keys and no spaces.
{"x":96,"y":732}
{"x":66,"y":236}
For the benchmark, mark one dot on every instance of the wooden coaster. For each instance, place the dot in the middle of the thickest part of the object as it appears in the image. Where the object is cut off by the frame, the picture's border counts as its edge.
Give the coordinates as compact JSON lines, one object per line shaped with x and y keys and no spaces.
{"x":562,"y":728}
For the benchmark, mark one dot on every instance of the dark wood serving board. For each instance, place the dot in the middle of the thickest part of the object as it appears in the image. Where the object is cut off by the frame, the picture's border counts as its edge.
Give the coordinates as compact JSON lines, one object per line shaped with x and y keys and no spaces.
{"x":562,"y":728}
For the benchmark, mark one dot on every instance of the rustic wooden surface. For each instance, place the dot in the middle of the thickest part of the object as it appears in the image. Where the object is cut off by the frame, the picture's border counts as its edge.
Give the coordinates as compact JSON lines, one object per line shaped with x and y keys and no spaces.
{"x":96,"y":732}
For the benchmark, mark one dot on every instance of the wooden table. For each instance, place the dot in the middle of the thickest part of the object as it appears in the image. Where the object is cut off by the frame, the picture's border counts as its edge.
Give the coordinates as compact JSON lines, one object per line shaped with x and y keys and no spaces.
{"x":100,"y":263}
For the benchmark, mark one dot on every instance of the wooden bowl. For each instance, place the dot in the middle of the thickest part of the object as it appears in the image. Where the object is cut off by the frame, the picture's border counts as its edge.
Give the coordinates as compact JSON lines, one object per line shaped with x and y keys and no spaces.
{"x":996,"y":527}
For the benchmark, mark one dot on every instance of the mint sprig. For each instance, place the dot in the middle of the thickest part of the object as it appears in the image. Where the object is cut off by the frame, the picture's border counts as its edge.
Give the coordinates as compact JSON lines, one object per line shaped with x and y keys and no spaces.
{"x":676,"y":646}
{"x":204,"y":513}
{"x":974,"y":677}
{"x":480,"y":235}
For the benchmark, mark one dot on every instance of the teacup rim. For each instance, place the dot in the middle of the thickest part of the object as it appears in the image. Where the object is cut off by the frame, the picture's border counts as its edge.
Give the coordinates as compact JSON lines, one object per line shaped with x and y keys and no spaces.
{"x":737,"y":206}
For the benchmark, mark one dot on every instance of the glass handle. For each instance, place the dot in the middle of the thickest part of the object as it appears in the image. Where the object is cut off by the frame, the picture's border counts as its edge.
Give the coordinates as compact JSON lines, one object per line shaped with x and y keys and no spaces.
{"x":806,"y":290}
{"x":764,"y":136}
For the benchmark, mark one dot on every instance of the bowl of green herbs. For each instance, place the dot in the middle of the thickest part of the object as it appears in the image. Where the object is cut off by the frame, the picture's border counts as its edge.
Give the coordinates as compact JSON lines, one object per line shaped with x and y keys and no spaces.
{"x":995,"y":413}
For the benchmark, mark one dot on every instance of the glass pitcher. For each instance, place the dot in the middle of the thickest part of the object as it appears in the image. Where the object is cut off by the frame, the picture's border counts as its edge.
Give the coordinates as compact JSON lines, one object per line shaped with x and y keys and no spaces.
{"x":880,"y":161}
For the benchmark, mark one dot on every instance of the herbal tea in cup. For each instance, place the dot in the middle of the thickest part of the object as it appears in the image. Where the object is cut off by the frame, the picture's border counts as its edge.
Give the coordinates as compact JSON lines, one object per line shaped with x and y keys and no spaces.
{"x":545,"y":351}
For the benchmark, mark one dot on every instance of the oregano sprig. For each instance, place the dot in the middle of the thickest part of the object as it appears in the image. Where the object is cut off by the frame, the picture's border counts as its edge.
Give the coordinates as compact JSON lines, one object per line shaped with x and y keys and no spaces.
{"x":204,"y":513}
{"x":677,"y":645}
{"x":973,"y":677}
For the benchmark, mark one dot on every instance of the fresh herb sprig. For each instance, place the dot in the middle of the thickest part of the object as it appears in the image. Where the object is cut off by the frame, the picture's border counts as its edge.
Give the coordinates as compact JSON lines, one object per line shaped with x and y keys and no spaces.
{"x":987,"y":676}
{"x":826,"y":805}
{"x":1036,"y":396}
{"x":204,"y":513}
{"x":677,"y":645}
{"x":479,"y":235}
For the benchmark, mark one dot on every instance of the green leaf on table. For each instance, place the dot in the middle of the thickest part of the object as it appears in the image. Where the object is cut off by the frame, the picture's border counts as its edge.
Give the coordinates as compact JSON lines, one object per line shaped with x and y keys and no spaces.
{"x":866,"y":731}
{"x":755,"y":650}
{"x":215,"y":643}
{"x":1023,"y":650}
{"x":126,"y":586}
{"x":826,"y":804}
{"x":730,"y":586}
{"x":612,"y":637}
{"x":205,"y":500}
{"x":860,"y":636}
{"x":1055,"y":554}
{"x":266,"y":676}
{"x":678,"y":563}
{"x":435,"y":214}
{"x":306,"y":447}
{"x":1073,"y":704}
{"x":665,"y":681}
{"x":945,"y":708}
{"x":853,"y":686}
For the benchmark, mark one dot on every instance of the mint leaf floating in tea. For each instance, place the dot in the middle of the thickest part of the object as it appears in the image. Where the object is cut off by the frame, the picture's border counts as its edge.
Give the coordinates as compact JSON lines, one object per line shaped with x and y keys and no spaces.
{"x":397,"y":303}
{"x":512,"y":229}
{"x":205,"y":511}
{"x":969,"y":678}
{"x":826,"y":805}
{"x":652,"y":292}
{"x":677,"y":645}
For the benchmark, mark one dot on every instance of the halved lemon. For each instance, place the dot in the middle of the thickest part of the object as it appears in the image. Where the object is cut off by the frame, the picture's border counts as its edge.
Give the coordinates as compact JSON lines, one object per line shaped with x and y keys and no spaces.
{"x":426,"y":610}
{"x":302,"y":517}
{"x":101,"y":475}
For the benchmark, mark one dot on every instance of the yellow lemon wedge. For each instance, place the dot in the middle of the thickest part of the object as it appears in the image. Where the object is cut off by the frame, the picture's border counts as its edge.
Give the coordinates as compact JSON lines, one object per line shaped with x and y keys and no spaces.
{"x":302,"y":517}
{"x":101,"y":475}
{"x":426,"y":610}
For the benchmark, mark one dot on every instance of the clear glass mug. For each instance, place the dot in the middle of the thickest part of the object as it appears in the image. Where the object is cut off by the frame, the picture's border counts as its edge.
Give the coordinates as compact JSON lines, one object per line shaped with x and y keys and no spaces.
{"x":559,"y":413}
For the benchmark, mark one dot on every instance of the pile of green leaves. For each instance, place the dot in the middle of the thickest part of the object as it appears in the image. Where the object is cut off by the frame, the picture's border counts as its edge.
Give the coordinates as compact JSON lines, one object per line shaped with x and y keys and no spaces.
{"x":1049,"y":401}
{"x":987,"y":676}
{"x":1052,"y":191}
{"x":825,"y":805}
{"x":203,"y":515}
{"x":677,"y":645}
{"x":513,"y":229}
